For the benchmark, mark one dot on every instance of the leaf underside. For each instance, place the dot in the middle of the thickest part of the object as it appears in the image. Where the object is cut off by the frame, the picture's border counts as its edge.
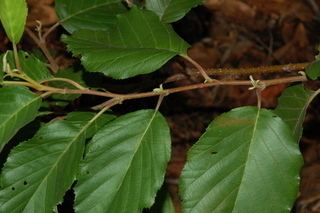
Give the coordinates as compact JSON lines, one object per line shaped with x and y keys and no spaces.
{"x":247,"y":161}
{"x":292,"y":107}
{"x":18,"y":106}
{"x":124,"y":164}
{"x":139,"y":44}
{"x":39,"y":171}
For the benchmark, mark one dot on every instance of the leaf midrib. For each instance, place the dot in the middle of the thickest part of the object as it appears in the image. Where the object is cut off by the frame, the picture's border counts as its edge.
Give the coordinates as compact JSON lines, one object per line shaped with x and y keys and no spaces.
{"x":103,"y":46}
{"x":165,"y":10}
{"x":86,"y":10}
{"x":15,"y":114}
{"x":82,"y":130}
{"x":251,"y":141}
{"x":135,"y":151}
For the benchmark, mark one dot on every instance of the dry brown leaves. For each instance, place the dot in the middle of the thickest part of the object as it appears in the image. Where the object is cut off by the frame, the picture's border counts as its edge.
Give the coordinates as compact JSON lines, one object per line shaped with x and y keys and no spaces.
{"x":43,"y":11}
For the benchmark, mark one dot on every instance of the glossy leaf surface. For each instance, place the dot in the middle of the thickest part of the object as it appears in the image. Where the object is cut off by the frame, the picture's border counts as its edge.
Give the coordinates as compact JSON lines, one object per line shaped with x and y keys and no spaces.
{"x":124,"y":164}
{"x":30,"y":65}
{"x":171,"y":10}
{"x":139,"y":44}
{"x":94,"y":15}
{"x":39,"y":171}
{"x":18,"y":106}
{"x":246,"y":161}
{"x":292,"y":107}
{"x":13,"y":15}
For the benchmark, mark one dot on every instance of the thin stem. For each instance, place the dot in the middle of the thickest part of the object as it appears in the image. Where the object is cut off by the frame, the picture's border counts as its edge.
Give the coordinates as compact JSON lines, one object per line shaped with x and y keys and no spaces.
{"x":52,"y":28}
{"x":160,"y":99}
{"x":258,"y":93}
{"x":199,"y":68}
{"x":123,"y":97}
{"x":118,"y":98}
{"x":108,"y":104}
{"x":111,"y":103}
{"x":16,"y":57}
{"x":75,"y":84}
{"x":46,"y":94}
{"x":42,"y":45}
{"x":259,"y":70}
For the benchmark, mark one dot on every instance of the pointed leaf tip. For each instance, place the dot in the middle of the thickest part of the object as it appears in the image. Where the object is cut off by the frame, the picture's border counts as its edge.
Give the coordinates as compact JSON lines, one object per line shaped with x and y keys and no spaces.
{"x":13,"y":15}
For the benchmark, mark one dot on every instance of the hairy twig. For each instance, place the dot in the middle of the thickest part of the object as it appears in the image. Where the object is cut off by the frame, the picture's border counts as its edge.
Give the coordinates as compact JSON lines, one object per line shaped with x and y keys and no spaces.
{"x":259,"y":70}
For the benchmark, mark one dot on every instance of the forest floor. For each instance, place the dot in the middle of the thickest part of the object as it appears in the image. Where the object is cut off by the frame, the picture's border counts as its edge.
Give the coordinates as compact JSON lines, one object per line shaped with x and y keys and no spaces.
{"x":223,"y":34}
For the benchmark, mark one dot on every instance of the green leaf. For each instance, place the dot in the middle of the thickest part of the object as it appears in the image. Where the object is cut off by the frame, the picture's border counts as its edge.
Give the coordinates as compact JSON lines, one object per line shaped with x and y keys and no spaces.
{"x":94,"y":15}
{"x":77,"y":118}
{"x":292,"y":107}
{"x":163,"y":203}
{"x":69,"y":74}
{"x":13,"y":15}
{"x":39,"y":171}
{"x":139,"y":44}
{"x":246,"y":161}
{"x":313,"y":70}
{"x":1,"y":75}
{"x":124,"y":164}
{"x":171,"y":10}
{"x":18,"y":106}
{"x":30,"y":65}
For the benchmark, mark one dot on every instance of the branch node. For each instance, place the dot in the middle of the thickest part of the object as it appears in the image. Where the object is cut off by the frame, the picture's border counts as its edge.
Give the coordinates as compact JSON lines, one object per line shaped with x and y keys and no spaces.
{"x":256,"y":84}
{"x":160,"y":90}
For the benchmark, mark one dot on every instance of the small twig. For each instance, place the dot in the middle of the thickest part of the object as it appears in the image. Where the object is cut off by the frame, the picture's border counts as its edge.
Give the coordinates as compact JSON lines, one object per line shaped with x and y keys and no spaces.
{"x":46,"y":94}
{"x":52,"y":28}
{"x":314,"y":6}
{"x":199,"y":68}
{"x":42,"y":45}
{"x":259,"y":70}
{"x":109,"y":103}
{"x":122,"y":97}
{"x":258,"y":86}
